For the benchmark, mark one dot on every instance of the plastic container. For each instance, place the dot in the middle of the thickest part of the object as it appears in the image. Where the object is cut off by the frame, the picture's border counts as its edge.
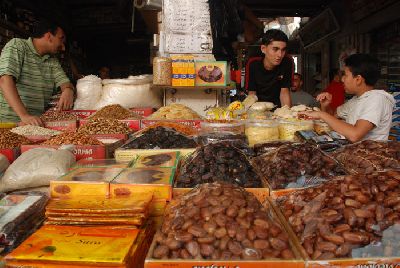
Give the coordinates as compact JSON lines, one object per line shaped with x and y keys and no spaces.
{"x":259,"y":131}
{"x":287,"y":128}
{"x":162,"y":71}
{"x":222,"y":126}
{"x":321,"y":126}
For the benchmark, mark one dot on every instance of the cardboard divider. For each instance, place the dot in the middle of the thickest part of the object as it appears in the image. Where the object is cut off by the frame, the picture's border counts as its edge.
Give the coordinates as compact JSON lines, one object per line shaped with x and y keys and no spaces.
{"x":67,"y":125}
{"x":191,"y":123}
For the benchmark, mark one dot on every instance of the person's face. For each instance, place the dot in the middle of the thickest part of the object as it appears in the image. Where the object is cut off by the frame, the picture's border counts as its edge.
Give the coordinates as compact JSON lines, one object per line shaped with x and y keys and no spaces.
{"x":297,"y":82}
{"x":274,"y":52}
{"x":104,"y":73}
{"x":351,"y":82}
{"x":56,"y":41}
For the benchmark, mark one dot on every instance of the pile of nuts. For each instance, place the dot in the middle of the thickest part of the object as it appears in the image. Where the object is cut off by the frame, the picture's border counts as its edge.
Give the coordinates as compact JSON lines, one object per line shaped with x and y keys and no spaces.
{"x":160,"y":138}
{"x":290,"y":162}
{"x":29,"y":130}
{"x":220,"y":221}
{"x":53,"y":115}
{"x":72,"y":138}
{"x":114,"y":111}
{"x":11,"y":140}
{"x":104,"y":126}
{"x":351,"y":212}
{"x":369,"y":156}
{"x":218,"y":162}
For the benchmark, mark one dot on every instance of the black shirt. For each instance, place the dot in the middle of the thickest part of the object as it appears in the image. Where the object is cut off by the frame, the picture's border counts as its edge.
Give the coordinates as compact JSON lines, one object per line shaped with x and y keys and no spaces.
{"x":268,"y":83}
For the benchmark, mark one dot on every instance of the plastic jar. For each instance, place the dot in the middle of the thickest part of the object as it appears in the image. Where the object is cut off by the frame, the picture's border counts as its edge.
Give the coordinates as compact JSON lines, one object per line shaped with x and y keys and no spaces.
{"x":321,"y":126}
{"x":222,"y":126}
{"x":287,"y":128}
{"x":259,"y":131}
{"x":162,"y":71}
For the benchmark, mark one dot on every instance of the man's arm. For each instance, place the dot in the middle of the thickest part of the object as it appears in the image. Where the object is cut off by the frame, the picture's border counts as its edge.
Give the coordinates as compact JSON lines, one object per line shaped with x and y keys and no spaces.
{"x":66,"y":101}
{"x":285,"y":97}
{"x":11,"y":95}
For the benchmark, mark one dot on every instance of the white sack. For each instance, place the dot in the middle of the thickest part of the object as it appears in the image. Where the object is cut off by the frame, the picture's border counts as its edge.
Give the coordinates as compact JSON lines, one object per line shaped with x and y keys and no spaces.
{"x":88,"y":91}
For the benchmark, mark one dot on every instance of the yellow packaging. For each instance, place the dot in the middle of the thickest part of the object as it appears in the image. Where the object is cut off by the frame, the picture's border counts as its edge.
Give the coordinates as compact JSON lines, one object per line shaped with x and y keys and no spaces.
{"x":150,"y":159}
{"x":122,"y":155}
{"x":84,"y":181}
{"x":154,"y":180}
{"x":157,"y":207}
{"x":77,"y":245}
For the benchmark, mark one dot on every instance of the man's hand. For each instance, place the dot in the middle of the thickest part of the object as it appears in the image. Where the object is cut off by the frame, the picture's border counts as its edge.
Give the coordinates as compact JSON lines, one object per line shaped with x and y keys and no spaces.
{"x":66,"y":101}
{"x":325,"y":99}
{"x":314,"y":115}
{"x":31,"y":120}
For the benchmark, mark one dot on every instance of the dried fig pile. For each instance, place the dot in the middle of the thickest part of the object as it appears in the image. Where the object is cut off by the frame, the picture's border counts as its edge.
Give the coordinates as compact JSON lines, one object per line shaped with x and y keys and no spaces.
{"x":220,"y":221}
{"x":333,"y":219}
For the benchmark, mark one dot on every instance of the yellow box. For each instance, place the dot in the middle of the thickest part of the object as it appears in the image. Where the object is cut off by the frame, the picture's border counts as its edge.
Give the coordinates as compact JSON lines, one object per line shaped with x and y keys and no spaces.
{"x":134,"y":180}
{"x":123,"y":155}
{"x":151,"y":159}
{"x":84,"y":181}
{"x":157,"y":207}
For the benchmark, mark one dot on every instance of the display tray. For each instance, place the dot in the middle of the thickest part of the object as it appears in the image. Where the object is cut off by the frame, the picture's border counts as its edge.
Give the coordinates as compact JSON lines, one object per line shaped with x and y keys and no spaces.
{"x":69,"y":125}
{"x":82,"y":114}
{"x":145,"y":111}
{"x":124,"y":155}
{"x":11,"y":153}
{"x":298,"y":262}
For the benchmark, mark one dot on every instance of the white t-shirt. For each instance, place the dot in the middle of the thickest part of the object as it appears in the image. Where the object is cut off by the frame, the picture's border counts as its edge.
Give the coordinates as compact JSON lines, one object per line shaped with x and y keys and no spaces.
{"x":375,"y":106}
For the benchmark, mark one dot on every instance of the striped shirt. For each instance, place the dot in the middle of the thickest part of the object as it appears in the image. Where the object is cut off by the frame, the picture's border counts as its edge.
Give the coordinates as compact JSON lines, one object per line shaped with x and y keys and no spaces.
{"x":36,"y":77}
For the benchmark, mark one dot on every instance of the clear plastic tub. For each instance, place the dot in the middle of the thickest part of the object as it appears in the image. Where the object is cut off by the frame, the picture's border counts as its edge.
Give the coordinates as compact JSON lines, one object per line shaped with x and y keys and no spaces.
{"x":222,"y":126}
{"x":259,"y":131}
{"x":287,"y":128}
{"x":162,"y":71}
{"x":321,"y":126}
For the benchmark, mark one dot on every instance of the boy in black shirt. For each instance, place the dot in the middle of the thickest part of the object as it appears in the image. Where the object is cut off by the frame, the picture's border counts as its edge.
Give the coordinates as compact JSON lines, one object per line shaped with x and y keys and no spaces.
{"x":271,"y":77}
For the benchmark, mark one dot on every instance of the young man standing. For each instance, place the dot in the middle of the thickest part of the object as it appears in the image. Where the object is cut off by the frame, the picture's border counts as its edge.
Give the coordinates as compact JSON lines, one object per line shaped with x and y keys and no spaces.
{"x":298,"y":96}
{"x":271,"y":77}
{"x":368,"y":115}
{"x":30,"y":73}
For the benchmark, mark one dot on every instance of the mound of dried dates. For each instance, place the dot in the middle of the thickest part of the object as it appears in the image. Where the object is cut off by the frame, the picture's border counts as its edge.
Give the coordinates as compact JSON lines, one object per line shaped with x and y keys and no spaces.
{"x":218,"y":162}
{"x":344,"y":214}
{"x":369,"y":156}
{"x":289,"y":162}
{"x":160,"y":138}
{"x":220,"y":221}
{"x":262,"y":148}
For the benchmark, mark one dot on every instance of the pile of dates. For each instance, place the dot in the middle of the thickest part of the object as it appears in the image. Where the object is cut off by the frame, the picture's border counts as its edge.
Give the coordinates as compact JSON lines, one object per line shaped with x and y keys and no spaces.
{"x":289,"y":162}
{"x":218,"y":162}
{"x":262,"y":148}
{"x":369,"y":156}
{"x":160,"y":138}
{"x":350,"y":212}
{"x":220,"y":221}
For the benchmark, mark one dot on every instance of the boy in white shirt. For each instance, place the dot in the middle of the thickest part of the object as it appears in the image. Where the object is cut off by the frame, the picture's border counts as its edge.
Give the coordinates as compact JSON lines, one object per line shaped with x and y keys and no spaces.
{"x":368,"y":115}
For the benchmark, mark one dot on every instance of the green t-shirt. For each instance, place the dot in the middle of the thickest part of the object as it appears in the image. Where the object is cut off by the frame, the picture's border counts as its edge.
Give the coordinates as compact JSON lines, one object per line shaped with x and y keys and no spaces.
{"x":36,"y":77}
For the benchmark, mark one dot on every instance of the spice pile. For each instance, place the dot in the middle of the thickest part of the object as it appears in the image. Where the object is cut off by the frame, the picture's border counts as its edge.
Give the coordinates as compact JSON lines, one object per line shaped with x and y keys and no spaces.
{"x":114,"y":111}
{"x":104,"y":126}
{"x":9,"y":139}
{"x":53,"y":115}
{"x":30,"y":130}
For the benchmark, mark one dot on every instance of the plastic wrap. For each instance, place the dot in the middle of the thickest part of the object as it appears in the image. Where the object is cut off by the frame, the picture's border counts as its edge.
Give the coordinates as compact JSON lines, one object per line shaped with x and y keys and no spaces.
{"x":346,"y":217}
{"x":134,"y":92}
{"x":222,"y":126}
{"x":225,"y":214}
{"x":36,"y":167}
{"x":160,"y":138}
{"x":266,"y":147}
{"x":296,"y":165}
{"x":220,"y":161}
{"x":259,"y":131}
{"x":288,"y":128}
{"x":89,"y":91}
{"x":369,"y":156}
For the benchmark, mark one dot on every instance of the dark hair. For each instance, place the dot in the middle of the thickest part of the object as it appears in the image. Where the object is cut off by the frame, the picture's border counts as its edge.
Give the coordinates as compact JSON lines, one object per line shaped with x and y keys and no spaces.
{"x":274,"y":35}
{"x":299,"y":75}
{"x":44,"y":26}
{"x":365,"y":65}
{"x":332,"y":73}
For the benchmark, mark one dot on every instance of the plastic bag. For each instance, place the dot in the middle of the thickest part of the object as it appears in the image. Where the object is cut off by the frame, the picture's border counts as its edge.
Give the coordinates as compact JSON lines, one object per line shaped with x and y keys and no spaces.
{"x":36,"y":167}
{"x":89,"y":91}
{"x":132,"y":92}
{"x":220,"y":161}
{"x":262,"y":106}
{"x":296,"y":165}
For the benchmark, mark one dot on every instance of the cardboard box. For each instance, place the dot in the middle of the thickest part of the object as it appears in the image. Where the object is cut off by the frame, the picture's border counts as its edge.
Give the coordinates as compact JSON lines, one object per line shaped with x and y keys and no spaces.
{"x":124,"y":155}
{"x":157,"y":207}
{"x":81,"y":114}
{"x":135,"y":180}
{"x":194,"y":123}
{"x":213,"y":73}
{"x":146,"y":111}
{"x":11,"y":154}
{"x":84,"y":181}
{"x":69,"y":125}
{"x":133,"y":124}
{"x":150,"y":159}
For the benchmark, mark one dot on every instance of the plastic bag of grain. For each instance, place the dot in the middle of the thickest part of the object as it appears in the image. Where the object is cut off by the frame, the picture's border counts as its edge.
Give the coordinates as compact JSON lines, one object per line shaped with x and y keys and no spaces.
{"x":135,"y":91}
{"x":88,"y":91}
{"x":36,"y":167}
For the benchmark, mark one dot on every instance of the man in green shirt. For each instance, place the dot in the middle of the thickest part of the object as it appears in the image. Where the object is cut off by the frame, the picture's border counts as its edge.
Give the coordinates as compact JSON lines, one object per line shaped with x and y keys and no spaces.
{"x":30,"y":73}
